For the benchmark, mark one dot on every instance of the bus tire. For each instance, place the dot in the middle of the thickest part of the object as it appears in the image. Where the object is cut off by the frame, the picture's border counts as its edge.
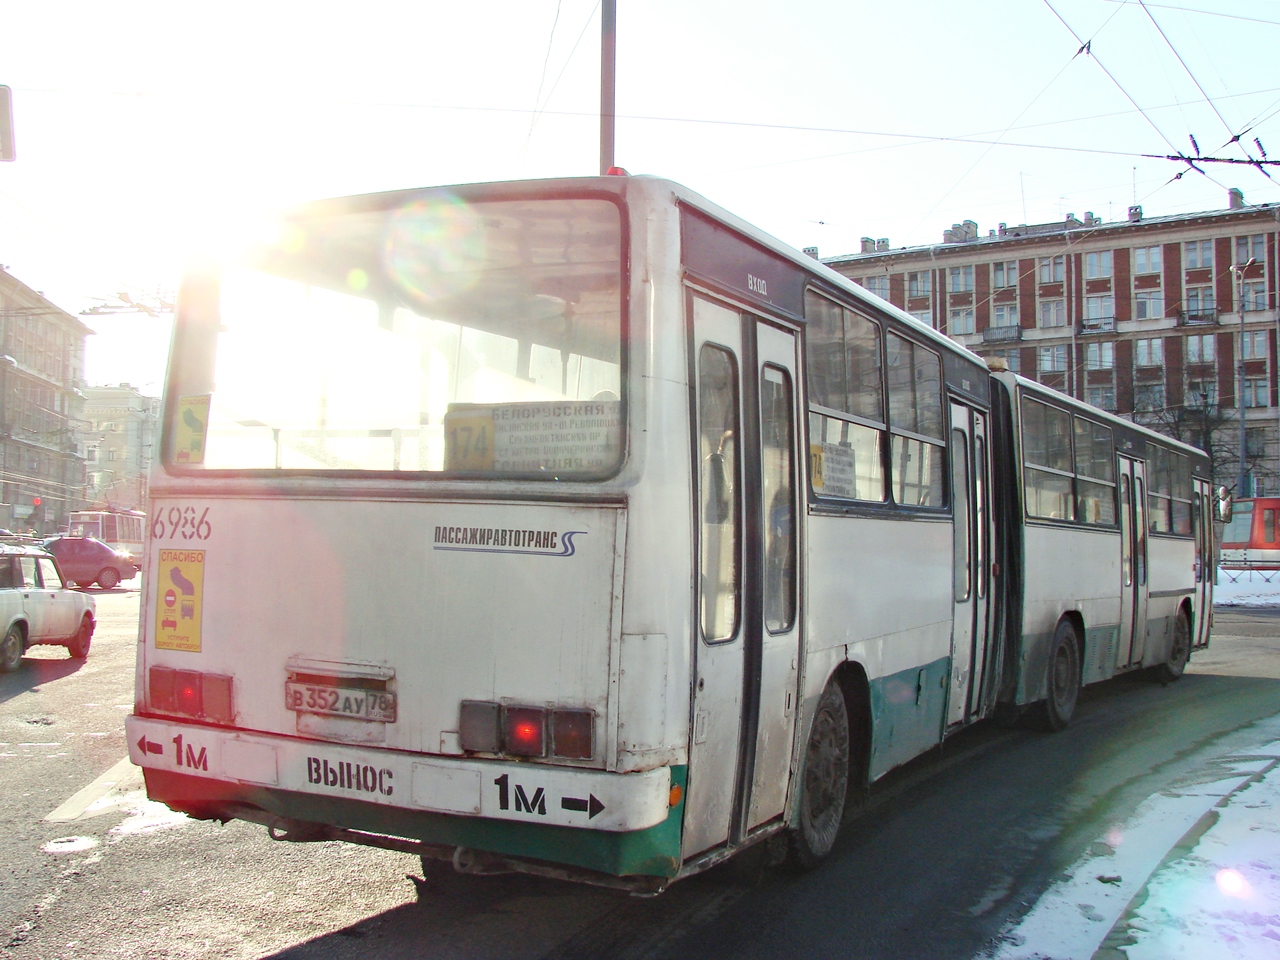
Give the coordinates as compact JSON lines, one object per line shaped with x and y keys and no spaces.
{"x":11,"y":650}
{"x":78,"y":646}
{"x":825,"y":783}
{"x":1179,"y":650}
{"x":1062,"y":681}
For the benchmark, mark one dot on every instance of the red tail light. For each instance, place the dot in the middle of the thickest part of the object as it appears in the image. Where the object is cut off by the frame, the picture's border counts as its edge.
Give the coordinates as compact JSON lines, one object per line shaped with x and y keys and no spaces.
{"x":205,"y":696}
{"x":571,"y":734}
{"x":524,"y":731}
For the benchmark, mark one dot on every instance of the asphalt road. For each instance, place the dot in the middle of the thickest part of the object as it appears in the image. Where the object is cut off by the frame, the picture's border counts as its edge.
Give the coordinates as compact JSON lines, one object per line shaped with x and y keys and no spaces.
{"x":952,"y":849}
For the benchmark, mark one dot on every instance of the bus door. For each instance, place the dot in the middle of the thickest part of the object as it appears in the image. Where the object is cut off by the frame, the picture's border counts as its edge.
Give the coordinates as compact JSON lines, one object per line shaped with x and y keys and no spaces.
{"x":1202,"y":531}
{"x":746,"y":663}
{"x":1133,"y":562}
{"x":970,"y":563}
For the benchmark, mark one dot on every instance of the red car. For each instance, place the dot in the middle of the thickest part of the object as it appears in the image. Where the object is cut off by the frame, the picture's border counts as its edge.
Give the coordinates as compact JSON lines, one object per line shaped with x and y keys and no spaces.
{"x":85,"y":560}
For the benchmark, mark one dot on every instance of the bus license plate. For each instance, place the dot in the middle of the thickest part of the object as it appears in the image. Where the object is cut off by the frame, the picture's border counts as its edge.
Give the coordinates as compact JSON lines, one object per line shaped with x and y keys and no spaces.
{"x":341,"y":702}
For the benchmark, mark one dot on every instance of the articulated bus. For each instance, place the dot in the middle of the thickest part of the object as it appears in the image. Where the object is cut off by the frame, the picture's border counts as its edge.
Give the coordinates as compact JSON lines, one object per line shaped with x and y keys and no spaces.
{"x":1251,"y":539}
{"x":579,"y":528}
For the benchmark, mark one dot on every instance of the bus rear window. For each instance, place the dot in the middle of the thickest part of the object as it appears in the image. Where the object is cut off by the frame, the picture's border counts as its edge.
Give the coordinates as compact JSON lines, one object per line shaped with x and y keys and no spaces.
{"x":476,"y":339}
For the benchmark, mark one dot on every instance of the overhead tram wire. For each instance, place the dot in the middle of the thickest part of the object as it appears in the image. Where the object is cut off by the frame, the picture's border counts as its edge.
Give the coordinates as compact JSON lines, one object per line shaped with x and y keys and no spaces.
{"x":1085,"y":46}
{"x":1031,"y":103}
{"x":543,"y":78}
{"x":1235,"y":137}
{"x":569,"y":59}
{"x":1205,"y":13}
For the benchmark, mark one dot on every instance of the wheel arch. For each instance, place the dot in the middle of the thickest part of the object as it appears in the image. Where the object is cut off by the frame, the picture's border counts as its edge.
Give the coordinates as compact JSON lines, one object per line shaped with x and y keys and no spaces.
{"x":1076,"y":619}
{"x":851,"y":677}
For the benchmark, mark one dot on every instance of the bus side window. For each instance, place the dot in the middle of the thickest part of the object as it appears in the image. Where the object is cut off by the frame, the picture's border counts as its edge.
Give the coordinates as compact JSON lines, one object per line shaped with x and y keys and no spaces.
{"x":718,"y":454}
{"x":776,"y":433}
{"x":1269,"y":526}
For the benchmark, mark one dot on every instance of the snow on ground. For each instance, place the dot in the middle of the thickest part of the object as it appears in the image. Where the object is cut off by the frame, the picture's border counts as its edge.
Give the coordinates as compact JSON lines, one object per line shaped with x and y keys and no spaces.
{"x":1247,"y":588}
{"x":1193,"y":874}
{"x":1222,"y":899}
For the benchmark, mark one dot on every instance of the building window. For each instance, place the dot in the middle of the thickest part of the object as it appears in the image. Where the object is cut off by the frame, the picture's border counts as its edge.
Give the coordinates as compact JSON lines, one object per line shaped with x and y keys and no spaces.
{"x":1053,"y":359}
{"x":1097,"y":309}
{"x":1253,"y":345}
{"x":1200,"y":348}
{"x":961,"y":321}
{"x":1148,"y":397}
{"x":1197,"y":255}
{"x":1255,"y":442}
{"x":1012,"y":358}
{"x":1004,"y":315}
{"x":1146,"y":260}
{"x":1200,"y":301}
{"x":1104,"y":398}
{"x":1052,"y":269}
{"x":1251,"y":248}
{"x":1148,"y":304}
{"x":1256,"y":393}
{"x":1097,"y":265}
{"x":1006,"y":273}
{"x":924,"y":316}
{"x":1099,"y":356}
{"x":1202,"y":394}
{"x":1253,"y":295}
{"x":1150,"y":353}
{"x":1053,"y":313}
{"x":961,"y":279}
{"x":920,"y":284}
{"x":878,"y":285}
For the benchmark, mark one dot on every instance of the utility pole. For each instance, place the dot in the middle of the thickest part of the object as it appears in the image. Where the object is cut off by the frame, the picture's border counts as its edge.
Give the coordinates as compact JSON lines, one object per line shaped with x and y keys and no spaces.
{"x":1238,"y":271}
{"x":608,"y":71}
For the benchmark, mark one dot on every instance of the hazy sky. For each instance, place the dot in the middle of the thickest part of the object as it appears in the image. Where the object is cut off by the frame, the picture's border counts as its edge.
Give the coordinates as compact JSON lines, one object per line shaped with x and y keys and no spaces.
{"x":142,"y":127}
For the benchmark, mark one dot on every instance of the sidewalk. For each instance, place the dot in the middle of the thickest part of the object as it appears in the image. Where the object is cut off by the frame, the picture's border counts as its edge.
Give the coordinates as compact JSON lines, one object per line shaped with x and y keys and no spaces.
{"x":1247,"y":588}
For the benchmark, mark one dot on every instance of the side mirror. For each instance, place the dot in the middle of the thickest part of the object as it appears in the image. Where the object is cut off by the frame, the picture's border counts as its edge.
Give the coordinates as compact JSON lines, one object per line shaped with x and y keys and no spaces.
{"x":1222,"y":504}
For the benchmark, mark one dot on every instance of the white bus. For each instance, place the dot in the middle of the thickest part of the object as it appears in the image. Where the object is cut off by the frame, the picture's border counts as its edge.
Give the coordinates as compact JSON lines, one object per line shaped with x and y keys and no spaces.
{"x":579,"y":528}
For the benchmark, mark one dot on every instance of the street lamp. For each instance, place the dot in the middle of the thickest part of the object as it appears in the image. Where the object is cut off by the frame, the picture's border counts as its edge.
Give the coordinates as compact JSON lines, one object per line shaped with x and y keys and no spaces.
{"x":1238,"y":270}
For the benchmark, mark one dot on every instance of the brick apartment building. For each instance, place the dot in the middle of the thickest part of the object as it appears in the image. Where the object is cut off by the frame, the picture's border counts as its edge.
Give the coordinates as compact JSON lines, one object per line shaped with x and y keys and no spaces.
{"x":41,"y":399}
{"x":1148,"y":317}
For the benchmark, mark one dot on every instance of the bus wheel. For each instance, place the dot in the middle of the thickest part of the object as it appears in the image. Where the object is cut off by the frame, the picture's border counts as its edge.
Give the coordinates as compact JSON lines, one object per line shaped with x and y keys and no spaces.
{"x":1179,"y":650}
{"x":1062,"y":688}
{"x":825,"y":783}
{"x":78,"y":646}
{"x":11,"y":650}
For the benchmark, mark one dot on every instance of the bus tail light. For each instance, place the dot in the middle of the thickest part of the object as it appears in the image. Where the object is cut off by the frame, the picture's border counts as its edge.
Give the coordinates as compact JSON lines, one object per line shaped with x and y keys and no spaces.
{"x":205,"y":696}
{"x":571,"y":734}
{"x":478,"y":727}
{"x":488,"y":727}
{"x":524,"y":731}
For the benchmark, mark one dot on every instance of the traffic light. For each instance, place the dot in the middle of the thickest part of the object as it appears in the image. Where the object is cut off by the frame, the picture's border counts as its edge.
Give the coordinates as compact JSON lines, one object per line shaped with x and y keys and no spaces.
{"x":7,"y":148}
{"x":35,"y":501}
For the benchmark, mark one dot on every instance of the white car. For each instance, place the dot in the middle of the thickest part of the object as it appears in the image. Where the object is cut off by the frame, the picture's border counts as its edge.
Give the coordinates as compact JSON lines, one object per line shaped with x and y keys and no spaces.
{"x":36,"y":607}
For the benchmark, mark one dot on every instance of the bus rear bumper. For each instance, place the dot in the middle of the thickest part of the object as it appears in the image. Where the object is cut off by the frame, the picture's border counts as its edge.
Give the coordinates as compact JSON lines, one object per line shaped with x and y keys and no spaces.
{"x":617,"y":824}
{"x":527,"y":792}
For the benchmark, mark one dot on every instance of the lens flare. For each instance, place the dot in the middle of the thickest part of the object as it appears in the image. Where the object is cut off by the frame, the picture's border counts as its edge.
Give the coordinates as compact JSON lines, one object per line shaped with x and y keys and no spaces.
{"x":357,"y":280}
{"x":435,"y":249}
{"x":1233,"y":884}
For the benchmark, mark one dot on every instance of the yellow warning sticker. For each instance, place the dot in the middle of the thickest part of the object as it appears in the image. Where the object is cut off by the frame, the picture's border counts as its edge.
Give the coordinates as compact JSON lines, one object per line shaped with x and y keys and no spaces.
{"x":192,"y":426}
{"x":180,"y":600}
